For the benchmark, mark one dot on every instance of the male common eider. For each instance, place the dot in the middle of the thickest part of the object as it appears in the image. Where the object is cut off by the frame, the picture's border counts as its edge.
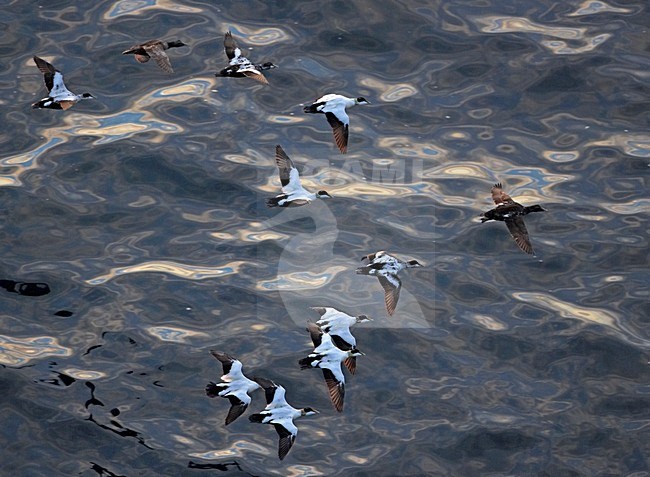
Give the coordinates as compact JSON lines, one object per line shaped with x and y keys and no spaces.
{"x":234,"y":386}
{"x":279,"y":413}
{"x":293,"y":194}
{"x":59,"y":97}
{"x":333,"y":107}
{"x":240,"y":66}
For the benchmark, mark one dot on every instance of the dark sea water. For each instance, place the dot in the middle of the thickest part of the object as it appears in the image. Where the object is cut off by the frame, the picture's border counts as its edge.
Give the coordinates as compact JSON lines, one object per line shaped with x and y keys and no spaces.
{"x":144,"y":213}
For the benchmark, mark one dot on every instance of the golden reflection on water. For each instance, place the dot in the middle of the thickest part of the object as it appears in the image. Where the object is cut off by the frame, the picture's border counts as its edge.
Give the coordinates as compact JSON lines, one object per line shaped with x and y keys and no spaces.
{"x":300,"y":280}
{"x":494,"y":24}
{"x":591,"y":7}
{"x":112,"y":127}
{"x":184,"y":91}
{"x":633,"y":207}
{"x":20,"y":163}
{"x":562,"y":48}
{"x":389,"y":92}
{"x":20,"y":351}
{"x":190,"y":272}
{"x":633,"y":144}
{"x":140,"y":7}
{"x":487,"y":322}
{"x":570,"y":310}
{"x":84,"y":374}
{"x":174,"y":333}
{"x":560,"y":156}
{"x":259,"y":37}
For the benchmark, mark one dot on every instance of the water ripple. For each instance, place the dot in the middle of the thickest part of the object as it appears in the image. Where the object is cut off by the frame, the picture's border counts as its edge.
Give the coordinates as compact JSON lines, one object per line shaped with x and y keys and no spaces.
{"x":190,"y":272}
{"x":20,"y":351}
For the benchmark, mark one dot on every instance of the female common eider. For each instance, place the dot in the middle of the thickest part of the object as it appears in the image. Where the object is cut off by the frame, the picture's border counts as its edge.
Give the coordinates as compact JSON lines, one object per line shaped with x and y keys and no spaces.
{"x":512,"y":213}
{"x":386,"y":267}
{"x":154,"y":49}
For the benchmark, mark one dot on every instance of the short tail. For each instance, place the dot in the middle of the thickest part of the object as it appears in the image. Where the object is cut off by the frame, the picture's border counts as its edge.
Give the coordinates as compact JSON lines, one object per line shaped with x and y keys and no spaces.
{"x":256,"y":418}
{"x":305,"y":363}
{"x":364,"y":270}
{"x":212,"y":389}
{"x":272,"y":202}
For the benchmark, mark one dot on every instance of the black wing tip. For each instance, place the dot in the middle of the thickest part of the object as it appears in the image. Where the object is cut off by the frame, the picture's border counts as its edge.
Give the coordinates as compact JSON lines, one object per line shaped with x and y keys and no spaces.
{"x":221,"y":356}
{"x":264,"y":383}
{"x":256,"y":417}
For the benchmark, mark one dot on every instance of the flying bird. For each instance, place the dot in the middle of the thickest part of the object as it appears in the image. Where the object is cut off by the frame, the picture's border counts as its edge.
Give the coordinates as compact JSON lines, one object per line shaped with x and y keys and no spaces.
{"x":293,"y":193}
{"x":333,"y":107}
{"x":240,"y":66}
{"x":328,"y":356}
{"x":59,"y":97}
{"x":234,"y":386}
{"x":154,"y":49}
{"x":512,"y":213}
{"x":279,"y":413}
{"x":386,"y":267}
{"x":337,"y":323}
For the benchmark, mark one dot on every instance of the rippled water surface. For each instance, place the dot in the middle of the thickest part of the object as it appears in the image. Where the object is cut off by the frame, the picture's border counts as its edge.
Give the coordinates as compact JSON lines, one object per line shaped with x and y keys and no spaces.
{"x":142,"y":216}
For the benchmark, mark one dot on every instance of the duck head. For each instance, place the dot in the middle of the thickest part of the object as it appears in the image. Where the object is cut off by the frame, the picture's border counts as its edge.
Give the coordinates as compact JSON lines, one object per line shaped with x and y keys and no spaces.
{"x":321,"y":194}
{"x":362,"y":318}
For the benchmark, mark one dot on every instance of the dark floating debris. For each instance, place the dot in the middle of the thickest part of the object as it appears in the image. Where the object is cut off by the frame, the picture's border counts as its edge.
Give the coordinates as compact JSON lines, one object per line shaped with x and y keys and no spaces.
{"x":64,"y":313}
{"x":25,"y":288}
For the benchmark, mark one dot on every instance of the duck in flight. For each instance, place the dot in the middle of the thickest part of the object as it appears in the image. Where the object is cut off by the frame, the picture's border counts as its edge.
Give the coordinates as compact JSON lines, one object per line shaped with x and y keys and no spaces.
{"x":337,"y":323}
{"x":279,"y":413}
{"x":293,"y":194}
{"x":59,"y":97}
{"x":512,"y":213}
{"x":234,"y":386}
{"x":333,"y":107}
{"x":329,"y":352}
{"x":154,"y":49}
{"x":386,"y":267}
{"x":240,"y":66}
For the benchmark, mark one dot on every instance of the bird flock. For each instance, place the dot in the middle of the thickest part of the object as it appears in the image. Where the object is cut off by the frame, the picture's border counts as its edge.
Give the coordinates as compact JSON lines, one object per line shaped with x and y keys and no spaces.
{"x":334,"y":345}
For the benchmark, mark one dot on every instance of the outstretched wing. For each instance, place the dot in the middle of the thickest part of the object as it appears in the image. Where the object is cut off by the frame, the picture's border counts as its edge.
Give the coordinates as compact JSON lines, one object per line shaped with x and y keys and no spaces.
{"x":225,"y":359}
{"x":315,"y":333}
{"x":339,"y":123}
{"x":289,"y":176}
{"x":230,"y":45}
{"x":48,"y":72}
{"x":287,"y":438}
{"x":351,"y":364}
{"x":335,"y":388}
{"x":499,"y":196}
{"x":518,"y":231}
{"x":253,"y":73}
{"x":237,"y":408}
{"x":392,"y":286}
{"x":157,"y":52}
